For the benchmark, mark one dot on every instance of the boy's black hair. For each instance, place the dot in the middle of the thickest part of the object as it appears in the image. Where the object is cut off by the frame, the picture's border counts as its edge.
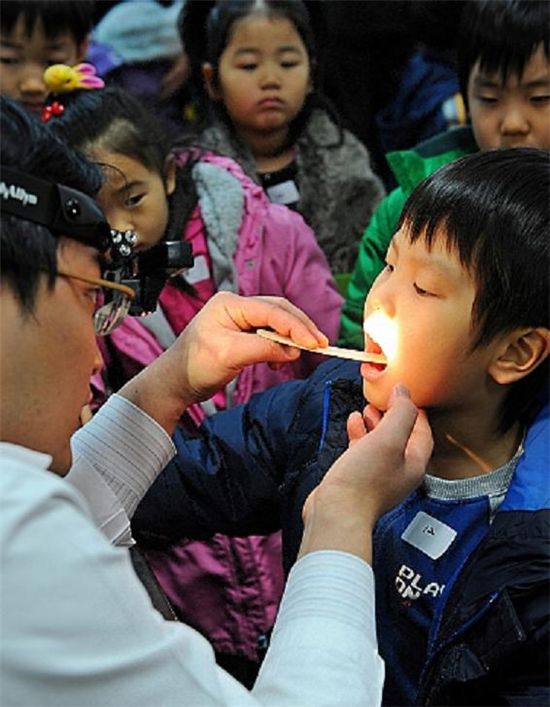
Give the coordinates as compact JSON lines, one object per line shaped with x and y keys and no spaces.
{"x":27,"y":248}
{"x":502,"y":35}
{"x":205,"y":29}
{"x":493,"y":210}
{"x":57,"y":16}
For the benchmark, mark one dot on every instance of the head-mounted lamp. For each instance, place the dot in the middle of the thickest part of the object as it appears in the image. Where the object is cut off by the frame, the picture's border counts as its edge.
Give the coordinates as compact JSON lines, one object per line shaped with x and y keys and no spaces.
{"x":71,"y":213}
{"x":62,"y":210}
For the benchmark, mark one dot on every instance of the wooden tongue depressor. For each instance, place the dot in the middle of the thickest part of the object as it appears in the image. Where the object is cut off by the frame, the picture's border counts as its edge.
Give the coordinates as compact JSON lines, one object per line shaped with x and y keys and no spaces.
{"x":326,"y":350}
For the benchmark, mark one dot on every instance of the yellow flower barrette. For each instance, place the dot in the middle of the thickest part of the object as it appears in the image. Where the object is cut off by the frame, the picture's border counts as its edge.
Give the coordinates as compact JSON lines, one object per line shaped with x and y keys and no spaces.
{"x":61,"y":78}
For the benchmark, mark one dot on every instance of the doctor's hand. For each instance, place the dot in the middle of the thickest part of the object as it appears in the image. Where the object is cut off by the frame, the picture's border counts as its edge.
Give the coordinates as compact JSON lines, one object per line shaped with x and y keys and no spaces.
{"x":215,"y":346}
{"x":378,"y":470}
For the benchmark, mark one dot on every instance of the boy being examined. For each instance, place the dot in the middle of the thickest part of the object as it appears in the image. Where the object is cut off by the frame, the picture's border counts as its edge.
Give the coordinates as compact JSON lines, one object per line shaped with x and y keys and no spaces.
{"x":461,"y":566}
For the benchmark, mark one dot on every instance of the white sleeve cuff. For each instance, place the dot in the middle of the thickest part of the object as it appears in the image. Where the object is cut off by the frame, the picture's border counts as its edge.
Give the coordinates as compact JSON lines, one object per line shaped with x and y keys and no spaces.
{"x":344,"y":591}
{"x":326,"y":616}
{"x":126,"y":447}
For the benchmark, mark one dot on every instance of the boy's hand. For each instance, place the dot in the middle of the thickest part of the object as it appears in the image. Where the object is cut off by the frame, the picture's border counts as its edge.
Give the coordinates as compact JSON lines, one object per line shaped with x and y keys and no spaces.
{"x":215,"y":346}
{"x":385,"y":461}
{"x":359,"y":425}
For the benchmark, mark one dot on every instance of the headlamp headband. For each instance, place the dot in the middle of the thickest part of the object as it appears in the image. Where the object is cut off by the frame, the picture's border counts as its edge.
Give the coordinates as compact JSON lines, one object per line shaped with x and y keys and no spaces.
{"x":76,"y":215}
{"x":63,"y":210}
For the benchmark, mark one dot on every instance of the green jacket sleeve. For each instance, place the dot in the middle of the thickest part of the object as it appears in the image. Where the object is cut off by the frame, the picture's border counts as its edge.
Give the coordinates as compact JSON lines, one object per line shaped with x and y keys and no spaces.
{"x":370,"y":261}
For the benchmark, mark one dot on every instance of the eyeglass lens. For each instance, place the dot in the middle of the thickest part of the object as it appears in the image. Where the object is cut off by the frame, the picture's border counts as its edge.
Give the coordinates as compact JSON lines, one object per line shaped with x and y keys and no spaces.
{"x":111,"y":313}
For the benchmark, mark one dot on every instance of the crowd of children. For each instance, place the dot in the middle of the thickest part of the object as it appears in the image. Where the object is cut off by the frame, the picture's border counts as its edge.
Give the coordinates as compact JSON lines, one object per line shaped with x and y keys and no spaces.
{"x":448,"y":277}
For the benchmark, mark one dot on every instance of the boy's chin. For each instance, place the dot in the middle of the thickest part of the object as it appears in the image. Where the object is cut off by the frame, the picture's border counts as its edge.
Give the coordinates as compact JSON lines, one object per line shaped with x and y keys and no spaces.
{"x":376,"y":395}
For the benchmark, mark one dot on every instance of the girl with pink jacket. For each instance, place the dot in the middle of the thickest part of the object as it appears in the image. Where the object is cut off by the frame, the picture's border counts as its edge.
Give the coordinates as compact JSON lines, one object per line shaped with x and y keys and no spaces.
{"x":227,"y":588}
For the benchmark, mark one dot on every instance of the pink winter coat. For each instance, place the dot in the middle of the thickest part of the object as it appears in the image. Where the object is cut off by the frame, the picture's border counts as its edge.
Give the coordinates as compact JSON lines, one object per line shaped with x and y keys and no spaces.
{"x":276,"y":254}
{"x":230,"y":588}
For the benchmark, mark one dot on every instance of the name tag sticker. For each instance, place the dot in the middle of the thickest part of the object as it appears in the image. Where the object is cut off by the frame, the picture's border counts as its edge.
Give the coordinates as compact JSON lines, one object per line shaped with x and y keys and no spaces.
{"x":198,"y":272}
{"x":429,"y":535}
{"x":283,"y":193}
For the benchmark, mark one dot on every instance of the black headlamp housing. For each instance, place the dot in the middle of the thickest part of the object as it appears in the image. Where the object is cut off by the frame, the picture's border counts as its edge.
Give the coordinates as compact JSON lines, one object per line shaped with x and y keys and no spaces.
{"x":71,"y":213}
{"x":147,"y":272}
{"x":63,"y":210}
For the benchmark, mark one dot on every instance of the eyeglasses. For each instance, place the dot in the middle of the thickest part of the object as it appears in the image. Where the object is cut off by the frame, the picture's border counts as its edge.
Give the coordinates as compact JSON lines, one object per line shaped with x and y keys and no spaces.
{"x":113,"y":301}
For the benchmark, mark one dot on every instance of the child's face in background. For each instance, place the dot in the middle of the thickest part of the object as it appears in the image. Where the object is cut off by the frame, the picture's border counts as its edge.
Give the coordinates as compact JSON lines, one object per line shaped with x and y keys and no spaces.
{"x":24,"y":58}
{"x":134,"y":197}
{"x":264,"y":75}
{"x":516,"y":114}
{"x":427,"y":298}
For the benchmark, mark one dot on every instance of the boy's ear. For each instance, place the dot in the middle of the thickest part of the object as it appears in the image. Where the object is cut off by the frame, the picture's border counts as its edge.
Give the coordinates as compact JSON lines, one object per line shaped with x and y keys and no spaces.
{"x":82,"y":49}
{"x":170,"y":174}
{"x":207,"y":71}
{"x":522,"y":352}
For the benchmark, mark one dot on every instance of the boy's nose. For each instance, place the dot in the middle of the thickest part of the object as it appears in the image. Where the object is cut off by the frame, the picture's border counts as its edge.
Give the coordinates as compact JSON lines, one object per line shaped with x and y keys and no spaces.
{"x":32,"y":81}
{"x":514,"y":122}
{"x":380,"y":297}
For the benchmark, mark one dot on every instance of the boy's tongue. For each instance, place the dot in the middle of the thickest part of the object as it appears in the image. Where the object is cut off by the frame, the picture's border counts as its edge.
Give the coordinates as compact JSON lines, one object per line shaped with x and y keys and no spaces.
{"x":372,"y":347}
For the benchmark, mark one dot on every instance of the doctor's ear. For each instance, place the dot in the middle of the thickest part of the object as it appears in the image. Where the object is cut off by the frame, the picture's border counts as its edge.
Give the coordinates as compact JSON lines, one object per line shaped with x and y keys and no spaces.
{"x":523,"y":351}
{"x":208,"y":78}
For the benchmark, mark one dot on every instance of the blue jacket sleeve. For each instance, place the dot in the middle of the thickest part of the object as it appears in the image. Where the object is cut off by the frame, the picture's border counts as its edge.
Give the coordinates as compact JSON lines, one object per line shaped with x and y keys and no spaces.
{"x":232,"y":475}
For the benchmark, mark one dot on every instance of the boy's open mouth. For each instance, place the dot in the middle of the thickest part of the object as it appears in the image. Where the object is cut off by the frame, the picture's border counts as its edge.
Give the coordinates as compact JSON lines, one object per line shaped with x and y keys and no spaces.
{"x":371,"y":346}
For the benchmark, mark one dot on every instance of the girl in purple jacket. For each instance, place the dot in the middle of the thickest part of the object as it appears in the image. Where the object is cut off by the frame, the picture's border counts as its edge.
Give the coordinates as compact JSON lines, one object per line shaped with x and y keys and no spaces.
{"x":228,"y":588}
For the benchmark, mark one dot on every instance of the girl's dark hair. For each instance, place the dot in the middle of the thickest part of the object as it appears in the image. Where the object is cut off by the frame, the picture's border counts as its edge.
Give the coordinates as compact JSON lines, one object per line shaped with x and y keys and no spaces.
{"x":27,"y":248}
{"x":205,"y":29}
{"x":502,"y":35}
{"x":492,"y":208}
{"x":56,"y":16}
{"x":225,"y":13}
{"x":113,"y":120}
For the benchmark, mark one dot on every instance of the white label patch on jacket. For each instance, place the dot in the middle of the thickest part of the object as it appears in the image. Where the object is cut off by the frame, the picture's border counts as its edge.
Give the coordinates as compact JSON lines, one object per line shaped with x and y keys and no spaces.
{"x":283,"y":193}
{"x":429,"y":535}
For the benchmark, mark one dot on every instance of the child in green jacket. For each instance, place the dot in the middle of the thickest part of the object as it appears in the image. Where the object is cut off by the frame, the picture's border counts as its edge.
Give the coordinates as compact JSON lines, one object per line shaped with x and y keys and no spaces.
{"x":504,"y":71}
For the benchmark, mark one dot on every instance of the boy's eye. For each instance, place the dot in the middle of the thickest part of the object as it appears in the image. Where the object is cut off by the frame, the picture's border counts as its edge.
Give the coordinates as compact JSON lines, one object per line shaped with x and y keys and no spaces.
{"x":9,"y":60}
{"x":421,"y":292}
{"x":289,"y":64}
{"x":248,"y":67}
{"x":133,"y":200}
{"x":539,"y":100}
{"x":488,"y":100}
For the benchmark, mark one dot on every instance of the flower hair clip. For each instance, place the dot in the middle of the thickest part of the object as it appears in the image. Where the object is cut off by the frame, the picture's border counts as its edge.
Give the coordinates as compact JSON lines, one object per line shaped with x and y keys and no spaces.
{"x":61,"y":78}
